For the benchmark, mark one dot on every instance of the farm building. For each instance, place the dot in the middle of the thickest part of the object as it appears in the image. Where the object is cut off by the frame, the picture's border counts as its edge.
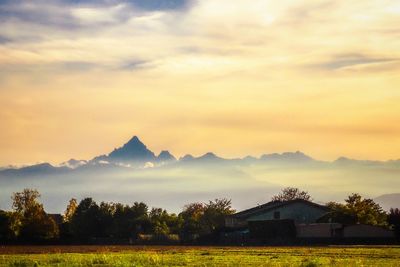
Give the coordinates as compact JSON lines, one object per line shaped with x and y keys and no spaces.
{"x":297,"y":219}
{"x":300,"y":211}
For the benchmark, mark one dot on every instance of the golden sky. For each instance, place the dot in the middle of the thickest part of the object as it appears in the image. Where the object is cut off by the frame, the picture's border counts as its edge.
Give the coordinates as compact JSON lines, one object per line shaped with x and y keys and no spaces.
{"x":78,"y":78}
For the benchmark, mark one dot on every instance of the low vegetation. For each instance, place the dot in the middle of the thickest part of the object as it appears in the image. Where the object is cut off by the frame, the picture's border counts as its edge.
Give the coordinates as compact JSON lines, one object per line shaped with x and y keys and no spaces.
{"x":200,"y":256}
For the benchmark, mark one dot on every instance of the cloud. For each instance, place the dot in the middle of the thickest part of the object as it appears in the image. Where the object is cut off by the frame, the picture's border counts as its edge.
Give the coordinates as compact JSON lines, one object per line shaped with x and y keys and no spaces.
{"x":4,"y":40}
{"x":351,"y":60}
{"x":135,"y":65}
{"x":132,"y":59}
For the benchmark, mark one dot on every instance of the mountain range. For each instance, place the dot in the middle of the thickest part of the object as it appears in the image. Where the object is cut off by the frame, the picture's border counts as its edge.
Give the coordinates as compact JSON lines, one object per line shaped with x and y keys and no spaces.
{"x":133,"y":171}
{"x":135,"y":154}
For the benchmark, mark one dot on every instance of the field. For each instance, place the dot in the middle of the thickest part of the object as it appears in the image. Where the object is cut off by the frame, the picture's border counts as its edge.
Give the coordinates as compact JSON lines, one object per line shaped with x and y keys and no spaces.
{"x":197,"y":256}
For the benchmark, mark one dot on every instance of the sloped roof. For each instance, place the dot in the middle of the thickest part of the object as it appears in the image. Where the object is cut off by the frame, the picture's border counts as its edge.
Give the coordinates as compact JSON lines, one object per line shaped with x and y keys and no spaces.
{"x":273,"y":205}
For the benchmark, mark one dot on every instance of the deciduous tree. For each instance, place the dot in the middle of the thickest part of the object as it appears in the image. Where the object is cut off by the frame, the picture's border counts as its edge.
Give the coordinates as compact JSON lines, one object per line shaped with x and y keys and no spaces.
{"x":34,"y":223}
{"x":362,"y":210}
{"x":291,"y":193}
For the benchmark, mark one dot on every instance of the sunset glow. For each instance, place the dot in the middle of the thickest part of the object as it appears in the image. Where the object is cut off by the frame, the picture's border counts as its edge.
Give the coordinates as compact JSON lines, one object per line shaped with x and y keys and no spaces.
{"x":78,"y":78}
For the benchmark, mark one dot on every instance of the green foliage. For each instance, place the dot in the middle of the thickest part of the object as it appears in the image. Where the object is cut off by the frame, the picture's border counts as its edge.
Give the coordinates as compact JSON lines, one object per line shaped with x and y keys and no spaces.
{"x":213,"y":256}
{"x":291,"y":193}
{"x":85,"y":221}
{"x":163,"y":223}
{"x":362,"y":210}
{"x":215,"y":213}
{"x":204,"y":219}
{"x":29,"y":220}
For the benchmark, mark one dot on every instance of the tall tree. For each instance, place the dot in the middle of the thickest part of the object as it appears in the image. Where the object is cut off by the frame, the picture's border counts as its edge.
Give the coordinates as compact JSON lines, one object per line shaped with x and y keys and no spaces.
{"x":25,"y":200}
{"x":85,"y":221}
{"x":204,"y":219}
{"x":291,"y":193}
{"x":192,"y":215}
{"x":70,"y":211}
{"x":34,"y":223}
{"x":215,"y":212}
{"x":362,"y":210}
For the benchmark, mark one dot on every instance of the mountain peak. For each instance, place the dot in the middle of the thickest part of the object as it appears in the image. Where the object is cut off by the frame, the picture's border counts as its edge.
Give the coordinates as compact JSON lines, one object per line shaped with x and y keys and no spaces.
{"x":297,"y":156}
{"x":209,"y":155}
{"x":134,"y":141}
{"x":187,"y":157}
{"x":133,"y":150}
{"x":165,"y":156}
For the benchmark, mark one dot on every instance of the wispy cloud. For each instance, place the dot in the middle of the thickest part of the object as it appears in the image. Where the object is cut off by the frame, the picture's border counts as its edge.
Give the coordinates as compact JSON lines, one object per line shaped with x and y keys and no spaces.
{"x":351,"y":60}
{"x":273,"y":71}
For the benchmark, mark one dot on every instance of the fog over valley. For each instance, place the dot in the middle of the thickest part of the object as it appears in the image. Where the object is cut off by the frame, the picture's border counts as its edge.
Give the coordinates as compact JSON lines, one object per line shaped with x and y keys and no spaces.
{"x":134,"y":173}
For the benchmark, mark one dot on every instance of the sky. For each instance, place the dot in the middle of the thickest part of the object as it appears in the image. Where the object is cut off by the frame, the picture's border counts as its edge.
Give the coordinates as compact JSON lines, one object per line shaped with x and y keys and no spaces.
{"x":80,"y":77}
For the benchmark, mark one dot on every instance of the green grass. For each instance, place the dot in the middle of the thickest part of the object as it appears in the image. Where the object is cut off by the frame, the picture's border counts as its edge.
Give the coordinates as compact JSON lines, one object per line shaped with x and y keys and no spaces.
{"x":212,"y":256}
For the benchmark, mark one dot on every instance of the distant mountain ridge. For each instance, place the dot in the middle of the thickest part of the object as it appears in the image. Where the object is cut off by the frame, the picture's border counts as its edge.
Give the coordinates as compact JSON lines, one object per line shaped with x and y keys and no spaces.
{"x":135,"y":153}
{"x":389,"y":201}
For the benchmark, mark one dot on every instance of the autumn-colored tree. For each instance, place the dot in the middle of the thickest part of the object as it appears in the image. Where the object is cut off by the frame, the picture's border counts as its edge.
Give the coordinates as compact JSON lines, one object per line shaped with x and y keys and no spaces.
{"x":70,"y":211}
{"x":34,"y":223}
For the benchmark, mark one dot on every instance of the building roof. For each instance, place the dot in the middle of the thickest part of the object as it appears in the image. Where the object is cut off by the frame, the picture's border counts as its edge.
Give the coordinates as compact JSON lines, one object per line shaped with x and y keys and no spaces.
{"x":273,"y":205}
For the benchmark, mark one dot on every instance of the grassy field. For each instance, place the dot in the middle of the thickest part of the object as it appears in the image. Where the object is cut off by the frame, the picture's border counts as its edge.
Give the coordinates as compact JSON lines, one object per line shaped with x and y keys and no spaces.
{"x":198,"y":256}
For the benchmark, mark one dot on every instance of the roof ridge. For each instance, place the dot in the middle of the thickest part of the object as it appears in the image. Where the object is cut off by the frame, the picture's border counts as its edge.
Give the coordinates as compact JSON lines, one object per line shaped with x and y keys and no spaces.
{"x":272,"y":205}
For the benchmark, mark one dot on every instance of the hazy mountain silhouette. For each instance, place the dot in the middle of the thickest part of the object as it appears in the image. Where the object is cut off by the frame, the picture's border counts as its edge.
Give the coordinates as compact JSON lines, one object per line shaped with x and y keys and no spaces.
{"x":135,"y":154}
{"x":133,"y":172}
{"x":133,"y":151}
{"x":187,"y":157}
{"x":34,"y":170}
{"x":73,"y":163}
{"x":287,"y":157}
{"x":349,"y":162}
{"x":389,"y":201}
{"x":165,"y":156}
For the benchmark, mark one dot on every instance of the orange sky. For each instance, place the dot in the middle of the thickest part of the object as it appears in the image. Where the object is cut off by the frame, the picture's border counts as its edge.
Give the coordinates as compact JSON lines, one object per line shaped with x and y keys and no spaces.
{"x":235,"y":78}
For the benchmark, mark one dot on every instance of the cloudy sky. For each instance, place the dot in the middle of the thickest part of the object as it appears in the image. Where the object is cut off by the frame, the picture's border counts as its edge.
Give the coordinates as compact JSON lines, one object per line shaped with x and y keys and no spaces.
{"x":80,"y":77}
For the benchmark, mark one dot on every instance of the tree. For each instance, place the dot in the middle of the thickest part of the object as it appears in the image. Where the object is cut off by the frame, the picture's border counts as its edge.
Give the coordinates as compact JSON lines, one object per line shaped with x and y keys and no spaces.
{"x":25,"y":200}
{"x":394,"y":221}
{"x":201,"y":219}
{"x":159,"y":218}
{"x":362,"y":210}
{"x":214,"y":214}
{"x":85,"y":221}
{"x":6,"y":231}
{"x":291,"y":193}
{"x":129,"y":221}
{"x":70,"y":211}
{"x":191,"y":216}
{"x":34,"y":223}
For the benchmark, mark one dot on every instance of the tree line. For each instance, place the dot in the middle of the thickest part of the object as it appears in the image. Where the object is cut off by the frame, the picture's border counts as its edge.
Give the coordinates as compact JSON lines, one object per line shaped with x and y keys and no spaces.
{"x":88,"y":221}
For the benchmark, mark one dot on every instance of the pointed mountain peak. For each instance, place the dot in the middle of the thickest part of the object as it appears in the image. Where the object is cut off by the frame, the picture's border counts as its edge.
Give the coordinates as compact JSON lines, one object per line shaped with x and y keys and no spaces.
{"x":134,"y":150}
{"x":134,"y":141}
{"x":166,"y":156}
